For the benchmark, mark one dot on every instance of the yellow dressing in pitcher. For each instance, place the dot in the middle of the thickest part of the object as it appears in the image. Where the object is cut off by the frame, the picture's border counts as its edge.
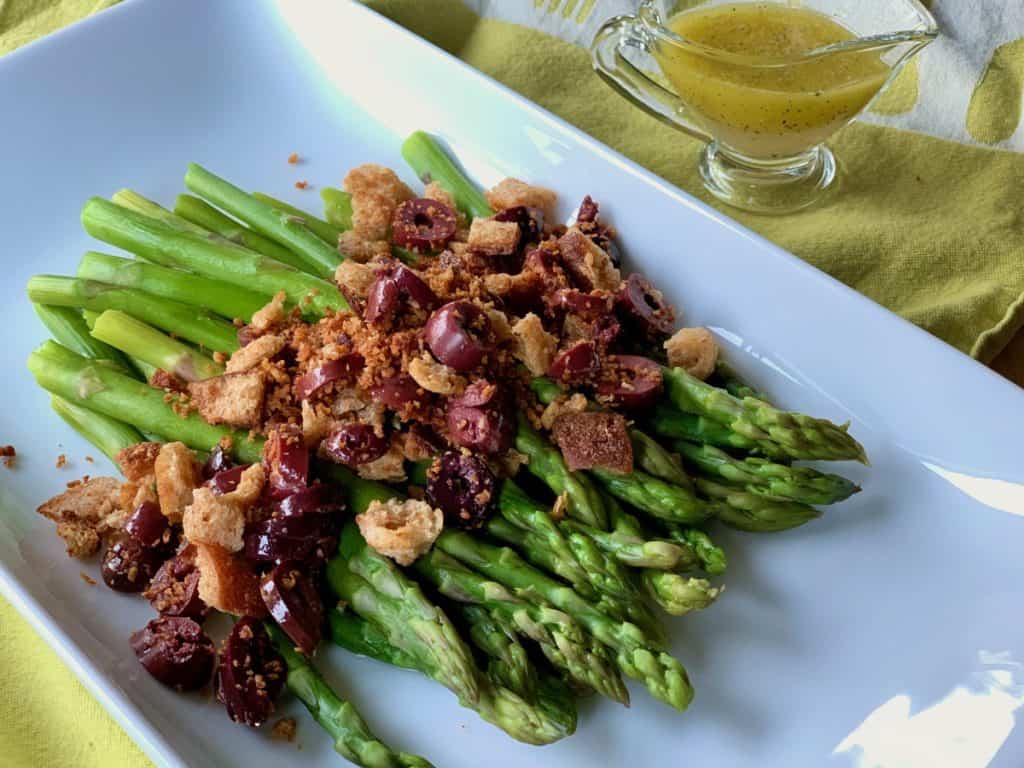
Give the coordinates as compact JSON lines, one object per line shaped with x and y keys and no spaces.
{"x":760,"y":97}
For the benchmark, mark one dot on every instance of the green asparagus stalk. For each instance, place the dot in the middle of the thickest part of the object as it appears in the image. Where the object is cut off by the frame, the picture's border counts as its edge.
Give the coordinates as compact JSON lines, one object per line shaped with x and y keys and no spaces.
{"x":797,"y":435}
{"x":327,"y":232}
{"x":654,"y":496}
{"x":135,"y":338}
{"x":133,"y":201}
{"x":561,"y":639}
{"x":287,"y":229}
{"x":712,"y":557}
{"x":337,"y":208}
{"x":767,"y":478}
{"x":546,"y":463}
{"x":734,"y":384}
{"x":508,"y":663}
{"x":353,"y":739}
{"x":95,"y":386}
{"x":365,"y":638}
{"x":189,"y":323}
{"x":752,"y":512}
{"x":432,"y":163}
{"x":69,"y":328}
{"x":109,"y":435}
{"x":224,"y":261}
{"x":206,"y":217}
{"x":225,"y":299}
{"x":636,"y":654}
{"x":636,"y":551}
{"x":668,"y":421}
{"x":677,"y":594}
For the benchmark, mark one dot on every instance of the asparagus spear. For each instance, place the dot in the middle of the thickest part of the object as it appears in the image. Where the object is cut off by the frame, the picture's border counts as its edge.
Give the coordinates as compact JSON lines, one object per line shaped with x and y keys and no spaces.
{"x":109,"y":435}
{"x":69,"y":328}
{"x":636,"y":654}
{"x":353,"y":739}
{"x":547,"y":464}
{"x":205,"y":216}
{"x":712,"y":558}
{"x":144,"y":342}
{"x":327,"y":232}
{"x":432,"y":163}
{"x":734,"y":384}
{"x":189,"y":323}
{"x":225,"y":299}
{"x":337,"y":207}
{"x":797,"y":435}
{"x":99,"y":388}
{"x":224,"y":261}
{"x":508,"y":663}
{"x":561,"y":639}
{"x":752,"y":512}
{"x":677,"y":594}
{"x":287,"y":229}
{"x":365,"y":638}
{"x":767,"y":478}
{"x":133,"y":201}
{"x":654,"y":496}
{"x":668,"y":421}
{"x":636,"y":551}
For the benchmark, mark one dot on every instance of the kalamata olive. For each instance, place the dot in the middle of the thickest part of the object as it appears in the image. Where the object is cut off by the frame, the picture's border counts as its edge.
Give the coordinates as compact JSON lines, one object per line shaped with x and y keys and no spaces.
{"x":589,"y":306}
{"x":630,"y":381}
{"x":457,"y":335}
{"x":148,"y":526}
{"x":354,"y":444}
{"x":292,"y":600}
{"x":310,"y":501}
{"x":575,"y":364}
{"x":279,"y":539}
{"x":218,"y":461}
{"x":530,"y":221}
{"x":398,"y":391}
{"x":547,"y":268}
{"x":344,"y":368}
{"x":464,"y":488}
{"x":287,"y":460}
{"x":644,"y":305}
{"x":251,"y":673}
{"x":176,"y":651}
{"x":587,"y":212}
{"x":174,"y":590}
{"x":396,"y":286}
{"x":423,"y":224}
{"x":481,"y":419}
{"x":228,"y":480}
{"x":128,"y":566}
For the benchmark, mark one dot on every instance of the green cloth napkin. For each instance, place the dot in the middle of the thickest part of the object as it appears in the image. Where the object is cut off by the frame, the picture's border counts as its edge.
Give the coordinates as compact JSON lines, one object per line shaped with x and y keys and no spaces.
{"x":931,"y":229}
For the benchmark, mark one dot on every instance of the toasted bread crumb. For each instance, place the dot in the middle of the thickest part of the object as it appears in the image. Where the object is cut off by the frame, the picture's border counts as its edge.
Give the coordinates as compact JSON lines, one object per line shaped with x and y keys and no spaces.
{"x":400,"y":529}
{"x":87,"y":578}
{"x":62,"y":461}
{"x":7,"y":455}
{"x":302,"y":184}
{"x":284,"y":729}
{"x":694,"y":350}
{"x":293,"y":158}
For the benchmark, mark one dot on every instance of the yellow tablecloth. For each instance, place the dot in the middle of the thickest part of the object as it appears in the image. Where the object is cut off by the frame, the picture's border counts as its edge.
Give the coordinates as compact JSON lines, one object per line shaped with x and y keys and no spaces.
{"x":931,"y":229}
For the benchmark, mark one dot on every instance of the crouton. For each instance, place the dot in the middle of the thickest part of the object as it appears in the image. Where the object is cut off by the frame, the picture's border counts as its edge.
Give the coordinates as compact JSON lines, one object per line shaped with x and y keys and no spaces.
{"x":400,"y":529}
{"x":376,"y":193}
{"x":535,"y":347}
{"x":512,"y":192}
{"x":316,"y":423}
{"x":134,"y":492}
{"x":354,"y":279}
{"x":80,"y":513}
{"x":389,"y":467}
{"x":561,"y":405}
{"x":176,"y":476}
{"x":435,"y":377}
{"x":594,"y":439}
{"x":271,"y":314}
{"x":255,"y":352}
{"x":235,"y":399}
{"x":228,"y":583}
{"x":361,"y":250}
{"x":694,"y":350}
{"x":137,"y":461}
{"x":493,"y":238}
{"x":499,"y":324}
{"x":213,"y":519}
{"x":80,"y":537}
{"x":588,"y":264}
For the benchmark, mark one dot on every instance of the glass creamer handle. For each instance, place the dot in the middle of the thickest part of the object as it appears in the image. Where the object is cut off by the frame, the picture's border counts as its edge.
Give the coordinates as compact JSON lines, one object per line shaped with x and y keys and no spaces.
{"x":611,"y":64}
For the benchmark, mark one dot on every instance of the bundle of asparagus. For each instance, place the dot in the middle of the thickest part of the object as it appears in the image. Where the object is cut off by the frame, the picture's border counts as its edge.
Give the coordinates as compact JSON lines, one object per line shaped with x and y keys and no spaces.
{"x":518,"y":616}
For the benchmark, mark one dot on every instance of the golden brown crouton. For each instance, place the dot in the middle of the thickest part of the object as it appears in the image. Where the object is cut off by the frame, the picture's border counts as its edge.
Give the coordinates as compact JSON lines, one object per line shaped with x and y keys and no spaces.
{"x":316,"y":423}
{"x":271,"y":314}
{"x":235,"y":399}
{"x":435,"y":377}
{"x":493,"y":238}
{"x":694,"y":350}
{"x":389,"y":467}
{"x":589,"y":265}
{"x":512,"y":192}
{"x":81,"y":511}
{"x":255,"y":352}
{"x":535,"y":347}
{"x":400,"y":529}
{"x":376,"y":192}
{"x":176,"y":476}
{"x":80,"y":537}
{"x":499,"y":324}
{"x":594,"y":439}
{"x":354,"y":278}
{"x":213,"y":519}
{"x":136,"y":461}
{"x":228,"y":583}
{"x":359,"y":249}
{"x":134,"y":492}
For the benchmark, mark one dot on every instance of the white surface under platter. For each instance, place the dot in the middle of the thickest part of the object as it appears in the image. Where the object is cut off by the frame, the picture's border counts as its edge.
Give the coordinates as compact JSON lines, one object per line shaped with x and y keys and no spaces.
{"x":888,"y":633}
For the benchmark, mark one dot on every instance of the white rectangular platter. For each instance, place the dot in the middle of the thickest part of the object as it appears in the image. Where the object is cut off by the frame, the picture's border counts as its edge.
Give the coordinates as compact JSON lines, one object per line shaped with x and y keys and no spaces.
{"x":887,"y":634}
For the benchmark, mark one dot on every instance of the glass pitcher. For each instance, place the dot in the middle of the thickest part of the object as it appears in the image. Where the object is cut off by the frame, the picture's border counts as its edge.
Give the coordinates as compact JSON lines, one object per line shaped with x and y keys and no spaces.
{"x":766,"y":114}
